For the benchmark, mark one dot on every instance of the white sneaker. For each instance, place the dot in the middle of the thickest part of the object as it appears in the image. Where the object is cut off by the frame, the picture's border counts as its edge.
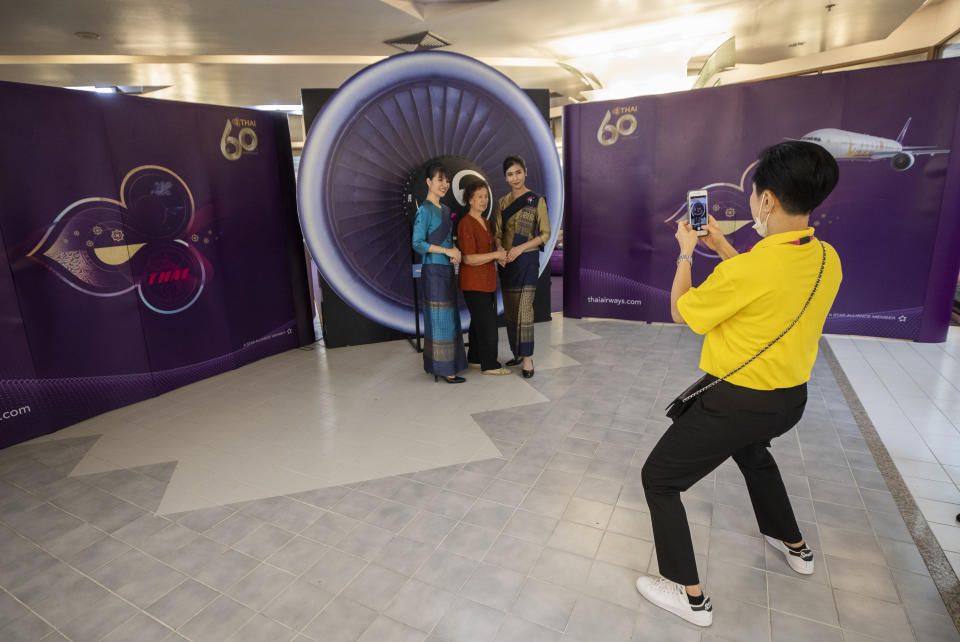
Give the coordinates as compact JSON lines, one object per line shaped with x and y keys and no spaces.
{"x":672,"y":597}
{"x":800,"y":561}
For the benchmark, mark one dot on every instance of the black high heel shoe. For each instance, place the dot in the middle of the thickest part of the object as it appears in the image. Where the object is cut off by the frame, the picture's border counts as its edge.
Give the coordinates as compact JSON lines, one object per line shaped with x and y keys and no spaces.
{"x":453,"y":379}
{"x":527,"y":374}
{"x":516,"y":361}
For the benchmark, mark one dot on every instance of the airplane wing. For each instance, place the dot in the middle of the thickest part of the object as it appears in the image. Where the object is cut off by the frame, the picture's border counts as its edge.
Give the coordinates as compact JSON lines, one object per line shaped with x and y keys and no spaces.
{"x":916,"y":151}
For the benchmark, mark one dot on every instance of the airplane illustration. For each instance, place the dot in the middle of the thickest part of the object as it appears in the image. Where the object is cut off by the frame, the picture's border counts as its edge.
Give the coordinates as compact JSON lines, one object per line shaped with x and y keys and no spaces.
{"x":847,"y":145}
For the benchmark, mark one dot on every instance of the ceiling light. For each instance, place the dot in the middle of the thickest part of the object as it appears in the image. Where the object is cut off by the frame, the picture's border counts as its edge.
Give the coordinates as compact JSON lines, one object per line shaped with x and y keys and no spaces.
{"x":290,"y":109}
{"x":88,"y":35}
{"x":98,"y":90}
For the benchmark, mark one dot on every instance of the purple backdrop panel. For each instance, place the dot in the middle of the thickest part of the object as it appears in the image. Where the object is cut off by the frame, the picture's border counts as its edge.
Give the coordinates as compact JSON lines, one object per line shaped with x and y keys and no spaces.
{"x":144,"y":244}
{"x":629,"y":164}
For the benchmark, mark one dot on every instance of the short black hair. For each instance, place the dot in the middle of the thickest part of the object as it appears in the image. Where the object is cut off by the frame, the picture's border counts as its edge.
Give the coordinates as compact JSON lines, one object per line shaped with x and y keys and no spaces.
{"x":436,"y":167}
{"x":472,"y":188}
{"x":511,"y":160}
{"x":799,"y":173}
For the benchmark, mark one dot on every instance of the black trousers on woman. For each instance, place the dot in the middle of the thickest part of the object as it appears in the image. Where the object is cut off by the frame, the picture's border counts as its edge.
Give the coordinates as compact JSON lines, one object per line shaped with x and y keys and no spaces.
{"x":483,"y":328}
{"x":726,"y":421}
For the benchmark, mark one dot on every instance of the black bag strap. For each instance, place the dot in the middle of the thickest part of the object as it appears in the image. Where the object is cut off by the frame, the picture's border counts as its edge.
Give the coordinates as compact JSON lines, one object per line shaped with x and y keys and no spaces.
{"x":823,"y":262}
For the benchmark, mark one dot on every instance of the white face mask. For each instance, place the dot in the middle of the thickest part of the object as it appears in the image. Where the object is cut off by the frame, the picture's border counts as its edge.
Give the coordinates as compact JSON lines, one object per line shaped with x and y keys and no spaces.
{"x":761,"y":226}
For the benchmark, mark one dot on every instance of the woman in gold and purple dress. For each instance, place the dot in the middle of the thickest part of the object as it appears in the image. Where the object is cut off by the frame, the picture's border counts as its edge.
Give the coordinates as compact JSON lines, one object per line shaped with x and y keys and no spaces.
{"x":522,"y":228}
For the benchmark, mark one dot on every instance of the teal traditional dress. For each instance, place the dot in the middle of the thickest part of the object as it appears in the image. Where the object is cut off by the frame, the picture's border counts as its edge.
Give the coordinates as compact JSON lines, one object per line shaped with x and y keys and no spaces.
{"x":443,"y":352}
{"x":516,"y":221}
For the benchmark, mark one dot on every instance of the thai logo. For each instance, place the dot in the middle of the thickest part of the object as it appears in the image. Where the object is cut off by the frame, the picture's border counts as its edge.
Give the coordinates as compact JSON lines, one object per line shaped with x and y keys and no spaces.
{"x":147,"y":241}
{"x":245,"y":142}
{"x":626,"y":123}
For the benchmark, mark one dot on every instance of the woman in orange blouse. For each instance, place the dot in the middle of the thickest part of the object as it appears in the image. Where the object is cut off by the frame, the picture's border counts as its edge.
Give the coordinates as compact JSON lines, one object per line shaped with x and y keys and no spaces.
{"x":478,"y":279}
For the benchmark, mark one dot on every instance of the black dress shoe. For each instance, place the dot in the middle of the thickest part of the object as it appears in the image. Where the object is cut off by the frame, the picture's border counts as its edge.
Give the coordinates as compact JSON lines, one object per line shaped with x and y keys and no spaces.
{"x":453,"y":379}
{"x":516,"y":361}
{"x":527,"y":374}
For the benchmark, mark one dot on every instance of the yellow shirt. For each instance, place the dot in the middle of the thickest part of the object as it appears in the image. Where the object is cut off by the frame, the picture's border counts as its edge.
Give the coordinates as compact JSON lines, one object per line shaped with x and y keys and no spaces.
{"x":749,"y":299}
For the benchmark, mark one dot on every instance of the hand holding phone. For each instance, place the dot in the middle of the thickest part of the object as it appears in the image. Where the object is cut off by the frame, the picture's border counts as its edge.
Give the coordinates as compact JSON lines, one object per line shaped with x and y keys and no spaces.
{"x":697,"y":210}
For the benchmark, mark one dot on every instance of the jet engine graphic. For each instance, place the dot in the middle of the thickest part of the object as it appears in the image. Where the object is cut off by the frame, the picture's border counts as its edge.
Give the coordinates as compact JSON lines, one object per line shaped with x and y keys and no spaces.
{"x":366,"y":147}
{"x":847,"y":145}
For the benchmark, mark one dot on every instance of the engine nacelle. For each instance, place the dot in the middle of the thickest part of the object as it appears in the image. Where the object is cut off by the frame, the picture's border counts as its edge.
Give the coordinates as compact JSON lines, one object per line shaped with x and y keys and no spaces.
{"x":902,"y":161}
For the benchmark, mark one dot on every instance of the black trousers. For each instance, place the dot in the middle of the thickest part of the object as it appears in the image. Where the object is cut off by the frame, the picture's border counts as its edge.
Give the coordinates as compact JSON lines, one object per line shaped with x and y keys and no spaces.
{"x":726,"y":421}
{"x":483,"y":328}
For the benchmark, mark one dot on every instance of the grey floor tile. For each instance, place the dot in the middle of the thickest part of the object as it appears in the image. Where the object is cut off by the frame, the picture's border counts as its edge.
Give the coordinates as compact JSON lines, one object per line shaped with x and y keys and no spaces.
{"x":588,"y":512}
{"x":194,"y":556}
{"x":356,"y":504}
{"x":873,"y":617}
{"x":850,"y":544}
{"x":342,"y":621}
{"x":616,"y":584}
{"x":625,"y":551}
{"x":68,"y":600}
{"x":505,"y":492}
{"x":298,"y":604}
{"x":787,"y":628}
{"x":806,"y":599}
{"x":512,"y":553}
{"x":44,"y":523}
{"x":283,"y":512}
{"x":375,"y":587}
{"x":469,"y":541}
{"x":101,"y":552}
{"x":182,"y":603}
{"x":322,"y":497}
{"x":403,"y":555}
{"x":420,"y":605}
{"x":546,"y":604}
{"x":451,"y":505}
{"x":487,"y":514}
{"x":545,"y":503}
{"x":298,"y":554}
{"x":45,"y":582}
{"x":73,"y":541}
{"x":562,"y":568}
{"x":261,"y":586}
{"x":384,"y":629}
{"x":97,"y":507}
{"x":446,"y":570}
{"x":233,"y":529}
{"x":263,"y":542}
{"x":727,"y":580}
{"x":468,"y":483}
{"x":845,"y":517}
{"x":468,"y":621}
{"x":330,"y":528}
{"x":493,"y":586}
{"x":168,"y":540}
{"x":664,"y":627}
{"x":631,"y":522}
{"x":932,"y":628}
{"x":862,"y":577}
{"x":99,"y":621}
{"x":594,"y":619}
{"x":262,"y":629}
{"x":428,"y":528}
{"x":141,"y":628}
{"x":335,"y":570}
{"x":734,"y":620}
{"x":365,"y":540}
{"x":391,"y":516}
{"x":576,"y":538}
{"x":889,"y":525}
{"x":515,"y":629}
{"x":26,"y":628}
{"x":385,"y":487}
{"x":903,"y":555}
{"x":202,"y":519}
{"x":217,"y":621}
{"x":226,"y":569}
{"x":919,"y":592}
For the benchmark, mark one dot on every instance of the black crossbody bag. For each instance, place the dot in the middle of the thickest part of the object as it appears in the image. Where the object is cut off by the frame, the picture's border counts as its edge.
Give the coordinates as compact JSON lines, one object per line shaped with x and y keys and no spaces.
{"x":686,"y":398}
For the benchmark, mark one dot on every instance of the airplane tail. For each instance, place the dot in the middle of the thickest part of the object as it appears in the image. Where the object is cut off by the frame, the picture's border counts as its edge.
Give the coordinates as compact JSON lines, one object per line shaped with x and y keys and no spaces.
{"x":903,"y":132}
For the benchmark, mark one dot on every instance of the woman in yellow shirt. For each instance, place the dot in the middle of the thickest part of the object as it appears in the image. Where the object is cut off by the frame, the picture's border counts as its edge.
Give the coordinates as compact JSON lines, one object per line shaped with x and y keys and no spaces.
{"x":781,"y":290}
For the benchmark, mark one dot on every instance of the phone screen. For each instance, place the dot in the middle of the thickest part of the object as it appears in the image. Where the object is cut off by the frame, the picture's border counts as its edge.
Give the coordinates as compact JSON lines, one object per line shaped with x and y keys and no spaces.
{"x":698,"y":211}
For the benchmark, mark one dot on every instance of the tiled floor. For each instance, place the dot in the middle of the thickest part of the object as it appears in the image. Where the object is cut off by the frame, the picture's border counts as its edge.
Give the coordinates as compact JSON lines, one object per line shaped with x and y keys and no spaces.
{"x":912,"y":393}
{"x":541,"y":541}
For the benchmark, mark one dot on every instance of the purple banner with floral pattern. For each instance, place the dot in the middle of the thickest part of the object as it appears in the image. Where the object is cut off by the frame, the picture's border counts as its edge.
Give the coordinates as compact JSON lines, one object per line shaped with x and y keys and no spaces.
{"x":894,"y":218}
{"x":144,"y":244}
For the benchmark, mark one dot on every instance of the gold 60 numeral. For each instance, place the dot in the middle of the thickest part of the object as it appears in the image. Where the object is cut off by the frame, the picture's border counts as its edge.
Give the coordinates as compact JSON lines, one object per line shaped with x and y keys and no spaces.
{"x":232,"y":147}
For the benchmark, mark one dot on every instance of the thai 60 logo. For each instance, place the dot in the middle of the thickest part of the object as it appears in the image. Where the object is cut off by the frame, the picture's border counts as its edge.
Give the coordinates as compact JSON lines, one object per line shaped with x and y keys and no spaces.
{"x":244,"y":142}
{"x":626,"y":123}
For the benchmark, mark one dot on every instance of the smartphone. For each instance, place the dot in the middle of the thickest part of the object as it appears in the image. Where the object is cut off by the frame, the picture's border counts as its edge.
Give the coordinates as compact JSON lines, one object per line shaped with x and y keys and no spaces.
{"x":697,"y":210}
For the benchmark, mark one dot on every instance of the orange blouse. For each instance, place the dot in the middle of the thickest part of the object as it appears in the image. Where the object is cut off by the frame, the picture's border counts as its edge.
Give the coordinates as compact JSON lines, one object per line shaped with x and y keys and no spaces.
{"x":475,"y":237}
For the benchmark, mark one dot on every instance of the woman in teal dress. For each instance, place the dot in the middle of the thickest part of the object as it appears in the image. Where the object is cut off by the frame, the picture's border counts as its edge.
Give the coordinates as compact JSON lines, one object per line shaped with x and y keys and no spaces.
{"x":443,"y":352}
